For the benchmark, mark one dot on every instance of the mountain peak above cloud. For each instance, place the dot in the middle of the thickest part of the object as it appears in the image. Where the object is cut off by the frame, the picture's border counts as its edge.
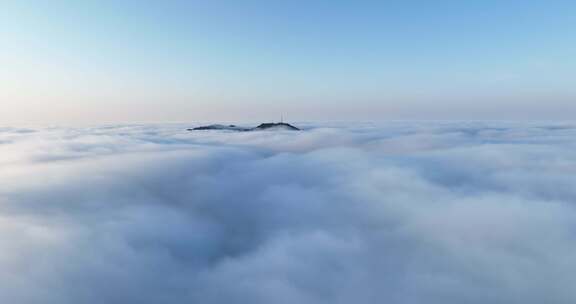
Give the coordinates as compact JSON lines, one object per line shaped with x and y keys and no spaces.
{"x":276,"y":126}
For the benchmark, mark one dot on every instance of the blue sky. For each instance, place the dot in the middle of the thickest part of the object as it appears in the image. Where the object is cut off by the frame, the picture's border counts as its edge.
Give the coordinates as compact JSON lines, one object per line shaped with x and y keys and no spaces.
{"x":127,"y":61}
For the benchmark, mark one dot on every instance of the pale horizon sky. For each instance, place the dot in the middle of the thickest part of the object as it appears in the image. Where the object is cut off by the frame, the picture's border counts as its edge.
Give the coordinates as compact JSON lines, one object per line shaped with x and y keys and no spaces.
{"x":138,"y":61}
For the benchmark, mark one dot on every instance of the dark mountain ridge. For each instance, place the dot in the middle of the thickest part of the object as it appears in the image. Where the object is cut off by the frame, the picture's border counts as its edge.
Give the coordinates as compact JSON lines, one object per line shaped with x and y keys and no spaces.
{"x":264,"y":126}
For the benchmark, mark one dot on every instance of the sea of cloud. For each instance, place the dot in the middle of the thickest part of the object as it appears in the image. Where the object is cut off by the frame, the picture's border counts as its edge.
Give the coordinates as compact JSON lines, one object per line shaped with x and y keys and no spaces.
{"x":399,"y":213}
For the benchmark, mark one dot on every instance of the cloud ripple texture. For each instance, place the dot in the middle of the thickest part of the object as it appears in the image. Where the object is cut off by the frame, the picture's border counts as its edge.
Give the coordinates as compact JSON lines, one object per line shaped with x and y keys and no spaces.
{"x":399,"y":213}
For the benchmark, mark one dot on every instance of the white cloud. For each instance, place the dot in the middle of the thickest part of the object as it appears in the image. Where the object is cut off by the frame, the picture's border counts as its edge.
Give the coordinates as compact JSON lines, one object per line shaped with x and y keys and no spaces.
{"x":395,"y":213}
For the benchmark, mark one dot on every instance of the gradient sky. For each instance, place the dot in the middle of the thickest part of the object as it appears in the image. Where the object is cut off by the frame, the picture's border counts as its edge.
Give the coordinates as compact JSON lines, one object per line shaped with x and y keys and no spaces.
{"x":218,"y":60}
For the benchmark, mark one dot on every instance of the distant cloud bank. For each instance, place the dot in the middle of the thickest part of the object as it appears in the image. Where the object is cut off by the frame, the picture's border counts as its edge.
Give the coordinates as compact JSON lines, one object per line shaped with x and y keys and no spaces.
{"x":399,"y":213}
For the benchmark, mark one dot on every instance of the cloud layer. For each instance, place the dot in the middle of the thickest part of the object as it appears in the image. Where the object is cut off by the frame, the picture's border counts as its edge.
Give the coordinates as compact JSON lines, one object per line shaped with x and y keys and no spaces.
{"x":466,"y":212}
